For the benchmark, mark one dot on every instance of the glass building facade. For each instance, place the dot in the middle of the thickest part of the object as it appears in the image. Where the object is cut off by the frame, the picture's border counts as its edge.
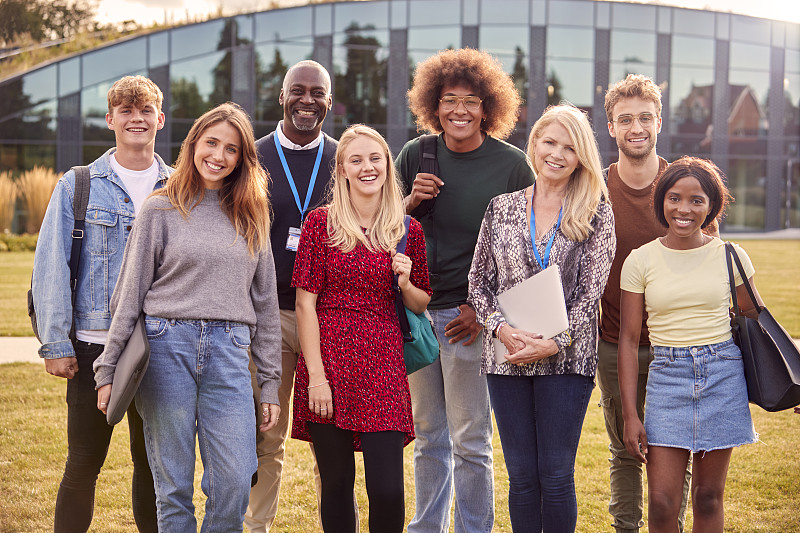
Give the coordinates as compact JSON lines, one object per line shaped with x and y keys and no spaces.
{"x":731,"y":83}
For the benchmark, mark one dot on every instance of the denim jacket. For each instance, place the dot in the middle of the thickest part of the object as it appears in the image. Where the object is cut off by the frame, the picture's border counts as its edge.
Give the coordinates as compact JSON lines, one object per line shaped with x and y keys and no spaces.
{"x":109,"y":217}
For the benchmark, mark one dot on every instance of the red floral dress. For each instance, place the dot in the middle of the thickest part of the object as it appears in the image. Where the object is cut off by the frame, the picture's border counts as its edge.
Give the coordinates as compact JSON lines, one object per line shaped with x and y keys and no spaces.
{"x":360,"y":340}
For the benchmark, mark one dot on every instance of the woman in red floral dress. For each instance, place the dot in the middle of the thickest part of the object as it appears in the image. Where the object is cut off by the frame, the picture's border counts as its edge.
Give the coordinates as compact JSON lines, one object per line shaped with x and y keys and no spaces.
{"x":351,"y":390}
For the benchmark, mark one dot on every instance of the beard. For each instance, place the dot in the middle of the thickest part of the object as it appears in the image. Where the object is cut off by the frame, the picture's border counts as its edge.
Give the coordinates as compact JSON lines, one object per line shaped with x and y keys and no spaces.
{"x":637,"y":154}
{"x":302,"y":124}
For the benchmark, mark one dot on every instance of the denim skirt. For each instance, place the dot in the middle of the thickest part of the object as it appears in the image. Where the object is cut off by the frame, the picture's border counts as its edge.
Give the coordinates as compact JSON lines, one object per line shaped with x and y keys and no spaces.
{"x":697,"y":398}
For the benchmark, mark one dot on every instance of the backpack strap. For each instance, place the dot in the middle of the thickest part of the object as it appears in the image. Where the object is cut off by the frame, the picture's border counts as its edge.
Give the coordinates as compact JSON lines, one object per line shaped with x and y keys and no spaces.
{"x":79,"y":204}
{"x":428,"y":164}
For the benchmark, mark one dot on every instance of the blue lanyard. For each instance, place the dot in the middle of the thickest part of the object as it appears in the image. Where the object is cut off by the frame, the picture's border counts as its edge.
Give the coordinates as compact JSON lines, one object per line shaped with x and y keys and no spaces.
{"x":546,"y":261}
{"x":289,"y":177}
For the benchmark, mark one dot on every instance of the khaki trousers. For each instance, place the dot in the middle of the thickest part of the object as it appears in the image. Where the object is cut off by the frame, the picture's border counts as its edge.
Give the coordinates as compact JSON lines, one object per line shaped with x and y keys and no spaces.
{"x":270,"y":446}
{"x":626,"y":472}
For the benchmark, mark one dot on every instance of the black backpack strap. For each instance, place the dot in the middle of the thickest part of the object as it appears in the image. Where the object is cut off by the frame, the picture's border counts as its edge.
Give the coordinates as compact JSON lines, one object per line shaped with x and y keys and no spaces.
{"x":428,"y":164}
{"x":399,"y":307}
{"x":79,"y":204}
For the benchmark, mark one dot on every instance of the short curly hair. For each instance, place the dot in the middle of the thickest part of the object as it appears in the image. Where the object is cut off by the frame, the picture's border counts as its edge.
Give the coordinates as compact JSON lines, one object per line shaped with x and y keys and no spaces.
{"x":634,"y":85}
{"x":137,"y":91}
{"x":475,"y":69}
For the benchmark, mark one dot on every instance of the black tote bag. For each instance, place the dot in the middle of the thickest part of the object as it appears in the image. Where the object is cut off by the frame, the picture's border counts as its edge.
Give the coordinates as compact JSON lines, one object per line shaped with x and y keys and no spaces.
{"x":771,"y":358}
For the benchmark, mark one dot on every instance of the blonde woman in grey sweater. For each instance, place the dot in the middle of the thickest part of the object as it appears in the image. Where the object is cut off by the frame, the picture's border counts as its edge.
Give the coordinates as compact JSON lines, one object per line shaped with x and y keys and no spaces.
{"x":199,"y":265}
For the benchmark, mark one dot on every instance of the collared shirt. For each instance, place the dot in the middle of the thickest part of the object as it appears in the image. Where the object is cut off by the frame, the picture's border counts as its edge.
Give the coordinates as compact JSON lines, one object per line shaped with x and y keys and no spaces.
{"x":109,"y":220}
{"x":286,"y":143}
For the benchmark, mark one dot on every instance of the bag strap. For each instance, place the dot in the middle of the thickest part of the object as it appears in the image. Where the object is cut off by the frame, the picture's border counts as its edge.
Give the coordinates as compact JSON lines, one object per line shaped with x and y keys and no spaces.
{"x":399,"y":306}
{"x":79,"y":204}
{"x":429,"y":164}
{"x":731,"y":252}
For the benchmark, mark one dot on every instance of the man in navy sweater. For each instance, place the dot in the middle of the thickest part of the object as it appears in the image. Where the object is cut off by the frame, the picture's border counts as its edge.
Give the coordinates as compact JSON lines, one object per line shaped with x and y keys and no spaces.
{"x":299,"y":159}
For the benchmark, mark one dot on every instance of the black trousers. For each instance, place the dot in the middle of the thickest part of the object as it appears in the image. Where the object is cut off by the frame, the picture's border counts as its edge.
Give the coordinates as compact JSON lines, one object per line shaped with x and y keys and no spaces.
{"x":383,"y":472}
{"x":88,"y":437}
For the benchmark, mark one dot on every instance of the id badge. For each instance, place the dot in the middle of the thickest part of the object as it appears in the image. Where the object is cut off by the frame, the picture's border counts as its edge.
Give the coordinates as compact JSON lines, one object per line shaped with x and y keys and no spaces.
{"x":293,"y":240}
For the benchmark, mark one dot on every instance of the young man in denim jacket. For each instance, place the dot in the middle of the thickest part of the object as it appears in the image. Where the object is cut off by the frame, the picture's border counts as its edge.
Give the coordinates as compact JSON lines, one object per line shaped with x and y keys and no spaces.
{"x":120,"y":180}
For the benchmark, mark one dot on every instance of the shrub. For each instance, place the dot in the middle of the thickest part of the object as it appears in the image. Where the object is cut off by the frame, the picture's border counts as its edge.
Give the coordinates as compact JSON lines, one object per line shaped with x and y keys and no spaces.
{"x":8,"y":199}
{"x":35,"y":188}
{"x":10,"y":242}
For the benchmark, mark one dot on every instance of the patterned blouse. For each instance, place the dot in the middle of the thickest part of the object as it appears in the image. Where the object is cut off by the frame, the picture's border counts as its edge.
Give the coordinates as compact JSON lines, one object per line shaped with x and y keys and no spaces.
{"x":504,"y":258}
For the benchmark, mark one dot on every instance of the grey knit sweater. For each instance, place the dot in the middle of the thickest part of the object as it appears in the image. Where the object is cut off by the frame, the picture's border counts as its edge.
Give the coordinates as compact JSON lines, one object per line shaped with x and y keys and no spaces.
{"x":193,"y":269}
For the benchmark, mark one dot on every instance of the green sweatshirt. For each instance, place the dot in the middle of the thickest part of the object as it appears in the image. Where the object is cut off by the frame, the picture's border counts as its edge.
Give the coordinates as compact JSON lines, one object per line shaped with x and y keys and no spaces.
{"x":471,"y":180}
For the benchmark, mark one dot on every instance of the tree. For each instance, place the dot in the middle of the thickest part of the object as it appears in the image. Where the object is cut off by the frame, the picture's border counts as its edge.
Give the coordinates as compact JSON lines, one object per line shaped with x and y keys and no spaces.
{"x":520,"y":73}
{"x":44,"y":19}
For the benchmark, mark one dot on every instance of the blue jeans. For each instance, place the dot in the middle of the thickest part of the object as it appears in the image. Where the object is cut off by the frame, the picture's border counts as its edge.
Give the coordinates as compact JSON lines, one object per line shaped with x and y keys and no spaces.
{"x":198,"y":384}
{"x":453,"y":447}
{"x":539,"y":419}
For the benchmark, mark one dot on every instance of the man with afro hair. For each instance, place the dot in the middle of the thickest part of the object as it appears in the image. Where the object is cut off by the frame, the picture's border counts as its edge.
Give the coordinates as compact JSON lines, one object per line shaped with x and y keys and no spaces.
{"x":466,"y":98}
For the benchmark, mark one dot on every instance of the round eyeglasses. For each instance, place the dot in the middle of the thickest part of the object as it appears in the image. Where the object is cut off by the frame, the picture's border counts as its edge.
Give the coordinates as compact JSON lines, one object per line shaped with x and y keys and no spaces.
{"x":450,"y":102}
{"x":626,"y":121}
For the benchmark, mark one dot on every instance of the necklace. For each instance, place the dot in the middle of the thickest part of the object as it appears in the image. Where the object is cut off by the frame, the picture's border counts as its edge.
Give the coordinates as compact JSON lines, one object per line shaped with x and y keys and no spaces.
{"x":540,"y":234}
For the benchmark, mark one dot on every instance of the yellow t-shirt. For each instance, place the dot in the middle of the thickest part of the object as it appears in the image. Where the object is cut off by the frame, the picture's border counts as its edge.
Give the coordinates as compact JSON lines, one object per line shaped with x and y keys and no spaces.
{"x":686,"y":292}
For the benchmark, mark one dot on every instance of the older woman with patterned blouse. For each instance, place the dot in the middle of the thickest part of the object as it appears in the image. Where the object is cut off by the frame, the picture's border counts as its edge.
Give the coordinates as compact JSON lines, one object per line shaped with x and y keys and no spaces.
{"x":541,"y":390}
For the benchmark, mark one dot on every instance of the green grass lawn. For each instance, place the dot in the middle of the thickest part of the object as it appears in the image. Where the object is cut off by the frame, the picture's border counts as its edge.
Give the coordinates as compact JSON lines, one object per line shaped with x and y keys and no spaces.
{"x":777,"y":266}
{"x":763,"y":489}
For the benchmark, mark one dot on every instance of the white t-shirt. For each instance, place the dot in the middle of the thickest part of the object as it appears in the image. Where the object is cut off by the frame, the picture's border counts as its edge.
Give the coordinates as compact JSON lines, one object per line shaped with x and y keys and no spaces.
{"x":139,"y":184}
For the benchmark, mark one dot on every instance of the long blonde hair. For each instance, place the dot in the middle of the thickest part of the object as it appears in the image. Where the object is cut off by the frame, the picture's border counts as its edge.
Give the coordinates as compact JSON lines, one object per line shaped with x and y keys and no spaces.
{"x":243,"y":196}
{"x":586,"y":187}
{"x":344,"y":231}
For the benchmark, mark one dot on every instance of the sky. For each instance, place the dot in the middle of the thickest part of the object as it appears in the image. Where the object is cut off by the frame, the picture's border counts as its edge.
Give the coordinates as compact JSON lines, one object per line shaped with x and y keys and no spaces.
{"x":148,"y":11}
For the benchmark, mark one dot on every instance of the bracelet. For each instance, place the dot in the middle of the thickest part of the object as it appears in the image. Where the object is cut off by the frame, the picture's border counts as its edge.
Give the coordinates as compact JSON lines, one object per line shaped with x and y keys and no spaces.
{"x":317,"y":385}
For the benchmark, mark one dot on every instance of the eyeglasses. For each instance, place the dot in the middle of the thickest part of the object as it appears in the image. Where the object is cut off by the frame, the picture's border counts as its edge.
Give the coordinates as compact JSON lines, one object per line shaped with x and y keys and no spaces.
{"x":626,"y":121}
{"x":450,"y":102}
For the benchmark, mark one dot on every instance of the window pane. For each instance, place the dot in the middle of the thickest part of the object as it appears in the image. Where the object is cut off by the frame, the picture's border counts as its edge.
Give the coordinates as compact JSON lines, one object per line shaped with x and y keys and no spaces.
{"x":571,"y":13}
{"x":26,"y":156}
{"x":360,"y":58}
{"x":747,"y":183}
{"x":633,"y":47}
{"x":512,"y":11}
{"x":572,"y":81}
{"x":115,"y":61}
{"x":159,"y":49}
{"x":750,"y":29}
{"x":618,"y":70}
{"x":272,"y":62}
{"x":575,"y":43}
{"x":399,"y":14}
{"x":791,"y":114}
{"x":749,"y":56}
{"x":434,"y":12}
{"x":364,"y":14}
{"x":510,"y":45}
{"x":200,"y":39}
{"x":94,"y":106}
{"x":747,"y":96}
{"x":692,"y":51}
{"x":633,"y":16}
{"x":31,"y":89}
{"x":280,"y":24}
{"x":197,"y":85}
{"x":691,"y":100}
{"x":69,"y":80}
{"x":244,"y":29}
